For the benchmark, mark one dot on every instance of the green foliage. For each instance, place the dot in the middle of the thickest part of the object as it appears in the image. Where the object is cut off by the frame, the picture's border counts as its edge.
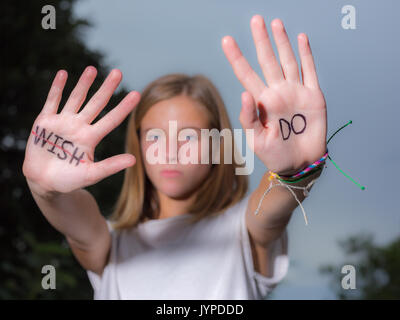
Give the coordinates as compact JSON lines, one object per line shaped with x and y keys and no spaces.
{"x":30,"y":58}
{"x":377,"y":269}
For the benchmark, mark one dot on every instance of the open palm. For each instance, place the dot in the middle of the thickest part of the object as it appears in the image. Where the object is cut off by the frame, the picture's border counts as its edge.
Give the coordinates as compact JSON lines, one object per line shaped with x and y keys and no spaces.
{"x":59,"y":155}
{"x":290,"y":129}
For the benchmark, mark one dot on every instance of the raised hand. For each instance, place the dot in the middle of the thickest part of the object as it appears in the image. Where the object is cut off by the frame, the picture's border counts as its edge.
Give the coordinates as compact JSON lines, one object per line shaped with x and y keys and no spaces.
{"x":60,"y":150}
{"x":290,"y":130}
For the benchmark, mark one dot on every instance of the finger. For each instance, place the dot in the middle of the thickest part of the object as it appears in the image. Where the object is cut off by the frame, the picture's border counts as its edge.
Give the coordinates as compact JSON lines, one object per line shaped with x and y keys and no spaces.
{"x":99,"y":170}
{"x":286,"y":54}
{"x":249,"y":118}
{"x":55,"y":93}
{"x":78,"y":95}
{"x":309,"y":74}
{"x":113,"y":118}
{"x":101,"y":97}
{"x":265,"y":53}
{"x":243,"y":71}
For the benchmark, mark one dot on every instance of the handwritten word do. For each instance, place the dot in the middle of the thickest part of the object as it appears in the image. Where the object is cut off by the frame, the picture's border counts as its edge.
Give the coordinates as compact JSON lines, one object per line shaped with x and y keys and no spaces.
{"x":290,"y":126}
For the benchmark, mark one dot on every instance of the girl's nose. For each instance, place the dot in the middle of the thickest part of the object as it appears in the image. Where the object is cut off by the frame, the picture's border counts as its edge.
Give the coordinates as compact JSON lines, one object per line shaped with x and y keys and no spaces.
{"x":171,"y":149}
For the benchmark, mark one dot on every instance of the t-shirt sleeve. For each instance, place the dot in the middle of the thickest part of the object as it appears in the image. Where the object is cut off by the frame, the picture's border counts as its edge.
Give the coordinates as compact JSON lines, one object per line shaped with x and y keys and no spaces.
{"x":263,"y":285}
{"x":94,"y":278}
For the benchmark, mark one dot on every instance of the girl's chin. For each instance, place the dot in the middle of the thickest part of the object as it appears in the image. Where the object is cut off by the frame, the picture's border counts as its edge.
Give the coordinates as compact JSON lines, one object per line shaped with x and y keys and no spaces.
{"x":176,"y":192}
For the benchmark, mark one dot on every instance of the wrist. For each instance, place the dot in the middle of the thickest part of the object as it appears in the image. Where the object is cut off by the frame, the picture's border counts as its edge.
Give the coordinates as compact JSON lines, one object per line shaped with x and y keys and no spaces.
{"x":41,"y":192}
{"x":288,"y":173}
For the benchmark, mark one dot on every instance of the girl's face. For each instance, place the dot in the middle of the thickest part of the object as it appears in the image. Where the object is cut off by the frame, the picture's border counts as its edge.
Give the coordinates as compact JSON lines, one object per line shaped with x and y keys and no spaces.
{"x":187,"y":113}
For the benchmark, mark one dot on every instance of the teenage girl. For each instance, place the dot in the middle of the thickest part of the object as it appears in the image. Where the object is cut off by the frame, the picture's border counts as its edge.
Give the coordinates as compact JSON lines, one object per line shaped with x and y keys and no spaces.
{"x":182,"y":230}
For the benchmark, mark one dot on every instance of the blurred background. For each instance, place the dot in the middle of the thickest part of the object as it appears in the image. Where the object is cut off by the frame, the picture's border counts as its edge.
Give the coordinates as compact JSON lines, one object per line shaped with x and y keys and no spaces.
{"x":358,"y":73}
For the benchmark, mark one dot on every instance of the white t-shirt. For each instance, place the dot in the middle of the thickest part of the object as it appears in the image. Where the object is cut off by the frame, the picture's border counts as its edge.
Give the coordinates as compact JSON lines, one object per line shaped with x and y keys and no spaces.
{"x":171,"y":259}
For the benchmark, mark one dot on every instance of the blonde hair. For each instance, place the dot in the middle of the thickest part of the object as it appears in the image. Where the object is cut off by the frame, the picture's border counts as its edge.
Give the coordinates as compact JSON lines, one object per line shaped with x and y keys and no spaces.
{"x":220,"y":190}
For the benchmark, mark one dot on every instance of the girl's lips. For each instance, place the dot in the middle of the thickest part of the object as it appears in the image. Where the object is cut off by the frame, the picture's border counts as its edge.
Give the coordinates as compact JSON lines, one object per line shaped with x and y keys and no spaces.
{"x":170,"y":173}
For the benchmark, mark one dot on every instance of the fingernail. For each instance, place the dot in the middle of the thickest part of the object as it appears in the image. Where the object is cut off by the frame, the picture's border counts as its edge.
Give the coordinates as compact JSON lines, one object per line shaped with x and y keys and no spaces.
{"x":61,"y":74}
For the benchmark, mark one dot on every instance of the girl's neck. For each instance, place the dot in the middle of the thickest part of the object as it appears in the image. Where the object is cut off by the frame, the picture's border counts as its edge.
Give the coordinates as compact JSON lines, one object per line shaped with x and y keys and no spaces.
{"x":170,"y":207}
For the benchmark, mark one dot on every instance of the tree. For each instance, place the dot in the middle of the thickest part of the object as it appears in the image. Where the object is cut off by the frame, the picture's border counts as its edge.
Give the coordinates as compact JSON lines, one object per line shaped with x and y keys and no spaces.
{"x":30,"y":58}
{"x":377,"y":269}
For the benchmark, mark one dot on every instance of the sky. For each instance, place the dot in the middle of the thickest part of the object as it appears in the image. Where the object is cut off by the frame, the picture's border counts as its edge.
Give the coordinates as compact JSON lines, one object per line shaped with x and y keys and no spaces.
{"x":357,"y":71}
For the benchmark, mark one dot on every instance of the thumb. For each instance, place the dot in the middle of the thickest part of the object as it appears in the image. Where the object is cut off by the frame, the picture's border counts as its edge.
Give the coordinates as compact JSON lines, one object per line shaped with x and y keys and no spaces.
{"x":97,"y":171}
{"x":248,"y":115}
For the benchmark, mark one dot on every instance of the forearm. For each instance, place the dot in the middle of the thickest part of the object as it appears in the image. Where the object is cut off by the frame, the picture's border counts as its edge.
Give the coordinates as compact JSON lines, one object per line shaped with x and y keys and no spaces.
{"x":276,"y":207}
{"x":75,"y":214}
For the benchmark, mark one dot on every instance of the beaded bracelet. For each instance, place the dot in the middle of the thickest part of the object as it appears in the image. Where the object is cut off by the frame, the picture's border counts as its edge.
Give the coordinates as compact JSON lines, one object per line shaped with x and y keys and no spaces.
{"x":304,"y":172}
{"x":294,"y":180}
